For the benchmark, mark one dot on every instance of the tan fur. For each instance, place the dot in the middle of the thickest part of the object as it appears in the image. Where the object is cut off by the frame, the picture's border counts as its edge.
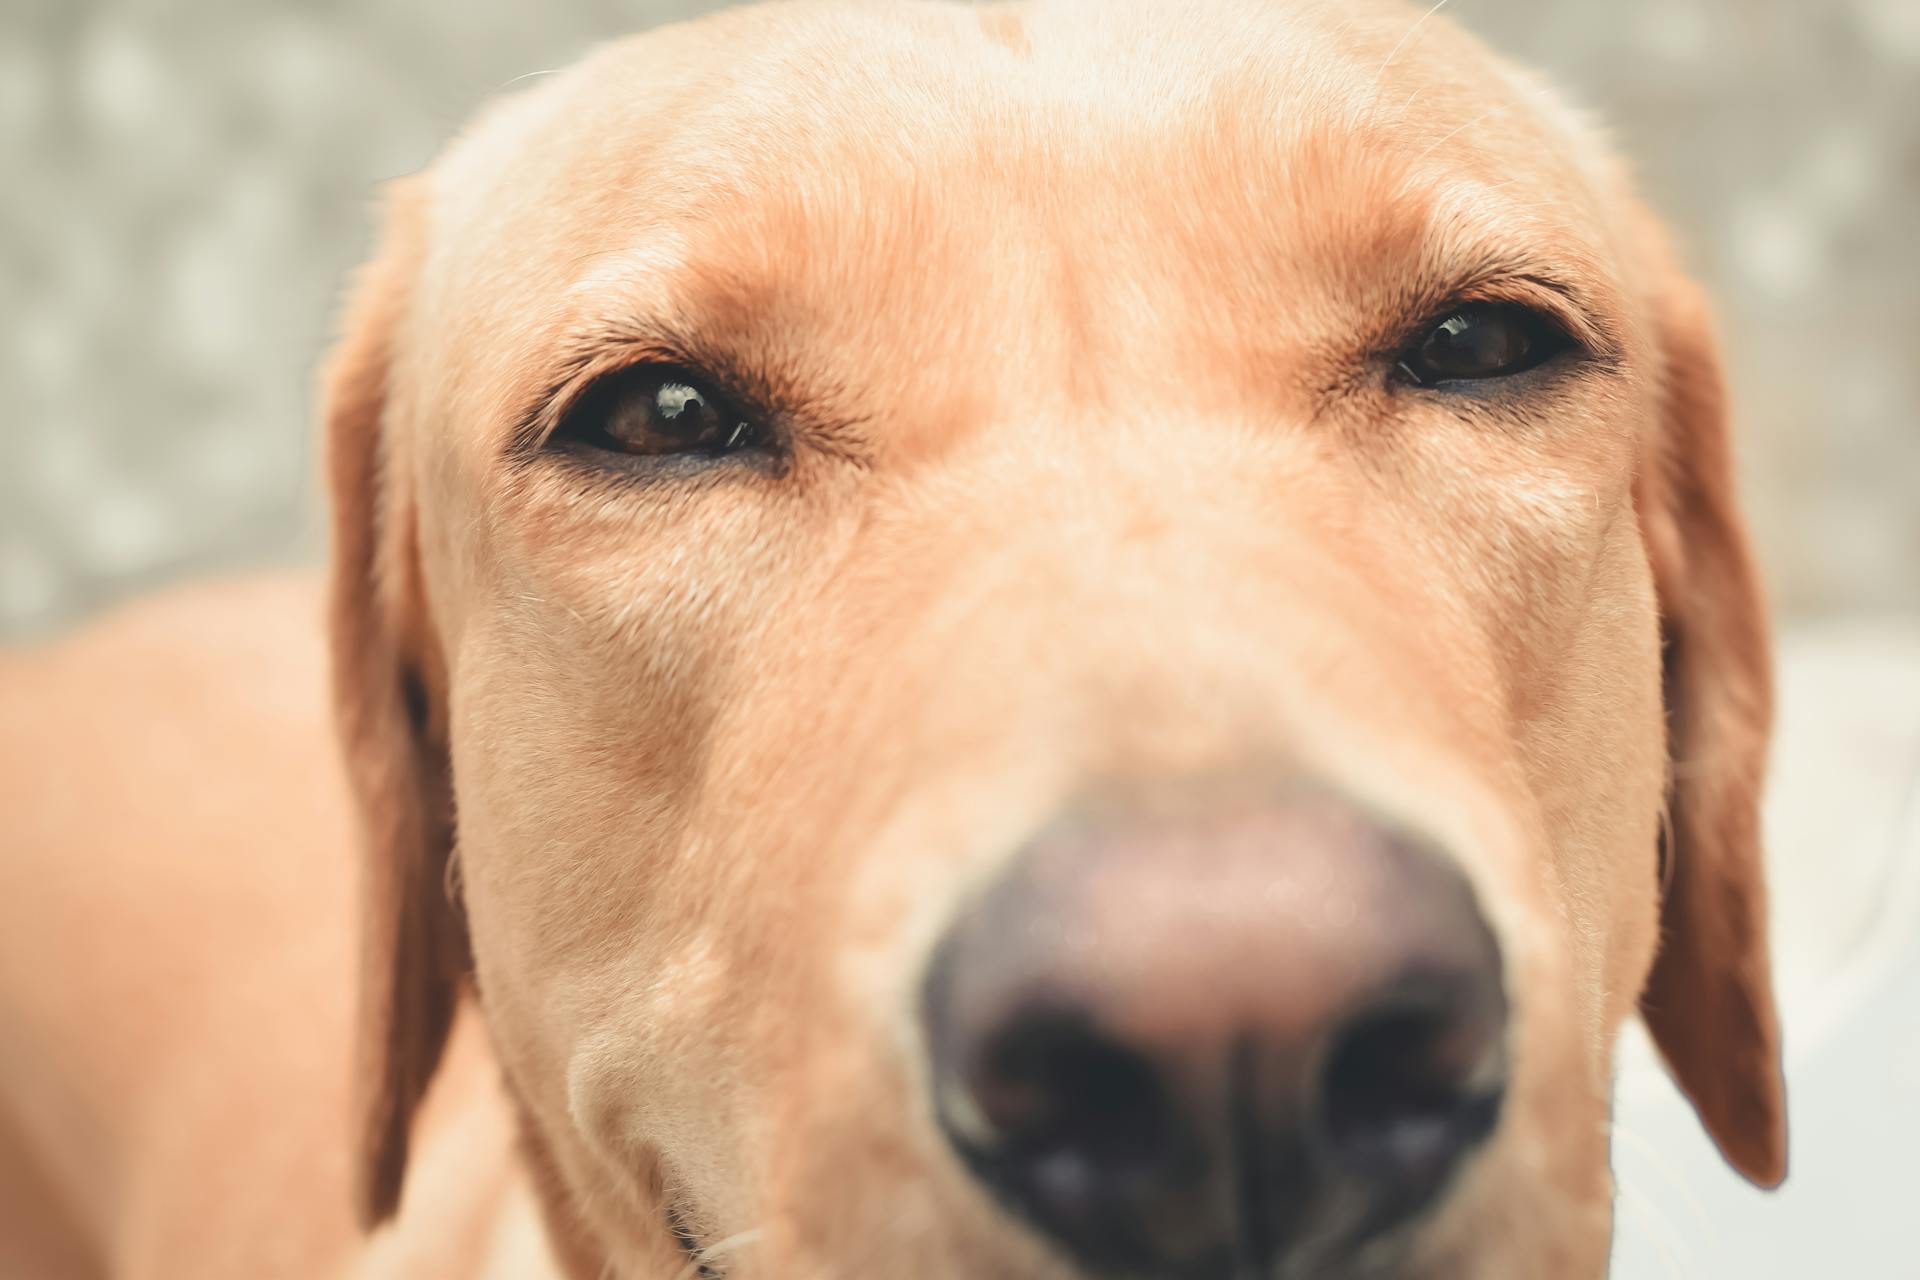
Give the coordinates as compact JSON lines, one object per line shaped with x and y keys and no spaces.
{"x":1079,"y":307}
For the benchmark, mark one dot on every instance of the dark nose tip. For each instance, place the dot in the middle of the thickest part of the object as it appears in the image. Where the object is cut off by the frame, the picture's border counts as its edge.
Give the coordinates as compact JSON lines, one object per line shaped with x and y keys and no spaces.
{"x":1195,"y":1040}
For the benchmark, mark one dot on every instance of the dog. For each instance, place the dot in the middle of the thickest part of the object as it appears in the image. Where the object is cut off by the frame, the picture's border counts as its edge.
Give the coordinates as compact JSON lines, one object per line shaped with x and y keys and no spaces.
{"x":1087,"y":639}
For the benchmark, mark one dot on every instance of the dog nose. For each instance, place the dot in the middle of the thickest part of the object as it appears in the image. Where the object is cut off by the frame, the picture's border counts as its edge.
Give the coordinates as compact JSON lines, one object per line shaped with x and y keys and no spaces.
{"x":1205,"y":1036}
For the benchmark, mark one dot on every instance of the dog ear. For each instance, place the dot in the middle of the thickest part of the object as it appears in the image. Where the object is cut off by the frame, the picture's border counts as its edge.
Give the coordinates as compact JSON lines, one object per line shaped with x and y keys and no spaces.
{"x":1709,"y":1000}
{"x":388,"y":700}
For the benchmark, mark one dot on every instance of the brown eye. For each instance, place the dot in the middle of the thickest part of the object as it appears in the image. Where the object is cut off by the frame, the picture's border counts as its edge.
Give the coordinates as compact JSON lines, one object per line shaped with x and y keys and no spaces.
{"x":1483,"y":340}
{"x":657,"y":411}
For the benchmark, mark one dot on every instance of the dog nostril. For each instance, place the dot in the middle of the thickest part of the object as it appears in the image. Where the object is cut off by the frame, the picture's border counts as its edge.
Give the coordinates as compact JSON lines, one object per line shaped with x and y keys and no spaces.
{"x":1413,"y":1083}
{"x":1218,"y":1082}
{"x":1064,"y":1119}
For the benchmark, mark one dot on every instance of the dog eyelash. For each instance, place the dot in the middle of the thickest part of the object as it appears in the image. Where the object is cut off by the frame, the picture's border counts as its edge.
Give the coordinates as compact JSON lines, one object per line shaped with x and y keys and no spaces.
{"x":698,"y":1268}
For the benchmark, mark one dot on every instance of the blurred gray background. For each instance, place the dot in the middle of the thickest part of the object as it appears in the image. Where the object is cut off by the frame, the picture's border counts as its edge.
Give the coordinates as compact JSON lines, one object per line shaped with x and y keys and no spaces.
{"x":187,"y":184}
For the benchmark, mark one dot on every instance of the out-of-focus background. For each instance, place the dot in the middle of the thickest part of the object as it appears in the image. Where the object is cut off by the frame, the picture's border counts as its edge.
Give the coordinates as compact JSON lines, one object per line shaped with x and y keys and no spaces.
{"x":186,"y":185}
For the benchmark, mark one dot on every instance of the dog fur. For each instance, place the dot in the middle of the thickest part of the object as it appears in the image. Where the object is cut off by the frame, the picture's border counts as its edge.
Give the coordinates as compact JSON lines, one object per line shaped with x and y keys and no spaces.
{"x":662,"y":789}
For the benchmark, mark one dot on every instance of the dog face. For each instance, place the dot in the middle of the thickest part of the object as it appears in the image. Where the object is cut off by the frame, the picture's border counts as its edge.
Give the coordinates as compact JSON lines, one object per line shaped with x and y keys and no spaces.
{"x":1056,"y":636}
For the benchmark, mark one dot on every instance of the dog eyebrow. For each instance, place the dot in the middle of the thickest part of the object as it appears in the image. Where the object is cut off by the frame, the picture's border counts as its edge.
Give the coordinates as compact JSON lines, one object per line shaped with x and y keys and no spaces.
{"x":1476,"y":244}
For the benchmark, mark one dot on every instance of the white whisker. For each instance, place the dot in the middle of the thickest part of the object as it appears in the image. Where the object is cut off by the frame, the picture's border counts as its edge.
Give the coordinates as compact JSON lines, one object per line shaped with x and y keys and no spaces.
{"x":1669,"y":1173}
{"x":529,"y":75}
{"x":717,"y":1250}
{"x":1380,"y":75}
{"x":1455,"y":132}
{"x":1666,"y":1241}
{"x":737,"y":1241}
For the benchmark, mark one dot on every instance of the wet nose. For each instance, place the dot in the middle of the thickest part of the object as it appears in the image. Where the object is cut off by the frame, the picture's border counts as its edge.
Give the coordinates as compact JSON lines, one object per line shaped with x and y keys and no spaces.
{"x":1202,"y":1036}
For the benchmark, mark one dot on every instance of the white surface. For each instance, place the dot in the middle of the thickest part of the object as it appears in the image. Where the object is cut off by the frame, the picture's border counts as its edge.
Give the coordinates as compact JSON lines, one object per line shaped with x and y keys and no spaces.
{"x":1843,"y":824}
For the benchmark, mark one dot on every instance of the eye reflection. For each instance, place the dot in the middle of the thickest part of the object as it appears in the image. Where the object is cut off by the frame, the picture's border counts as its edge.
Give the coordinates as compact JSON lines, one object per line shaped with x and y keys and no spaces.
{"x":1479,"y":341}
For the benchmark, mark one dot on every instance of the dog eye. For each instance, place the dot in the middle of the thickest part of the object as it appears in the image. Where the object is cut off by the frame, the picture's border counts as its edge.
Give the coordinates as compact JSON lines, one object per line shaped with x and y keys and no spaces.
{"x":654,"y":411}
{"x":1483,"y":340}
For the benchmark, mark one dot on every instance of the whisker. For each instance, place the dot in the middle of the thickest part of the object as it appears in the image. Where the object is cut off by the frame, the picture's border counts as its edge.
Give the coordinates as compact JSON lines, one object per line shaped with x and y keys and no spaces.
{"x":1380,"y":75}
{"x":1455,"y":132}
{"x":1666,"y":1240}
{"x":1669,"y":852}
{"x":1652,"y":1156}
{"x":699,"y":1265}
{"x":738,"y":1240}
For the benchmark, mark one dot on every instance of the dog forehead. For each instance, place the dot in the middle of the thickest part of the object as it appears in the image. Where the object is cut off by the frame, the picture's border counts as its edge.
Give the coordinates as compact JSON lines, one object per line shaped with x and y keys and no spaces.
{"x":943,"y":182}
{"x":843,"y":93}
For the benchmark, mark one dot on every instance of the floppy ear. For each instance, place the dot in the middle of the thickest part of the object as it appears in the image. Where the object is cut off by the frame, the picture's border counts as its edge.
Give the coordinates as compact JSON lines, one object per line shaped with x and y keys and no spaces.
{"x":1709,"y":1001}
{"x":387,"y":699}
